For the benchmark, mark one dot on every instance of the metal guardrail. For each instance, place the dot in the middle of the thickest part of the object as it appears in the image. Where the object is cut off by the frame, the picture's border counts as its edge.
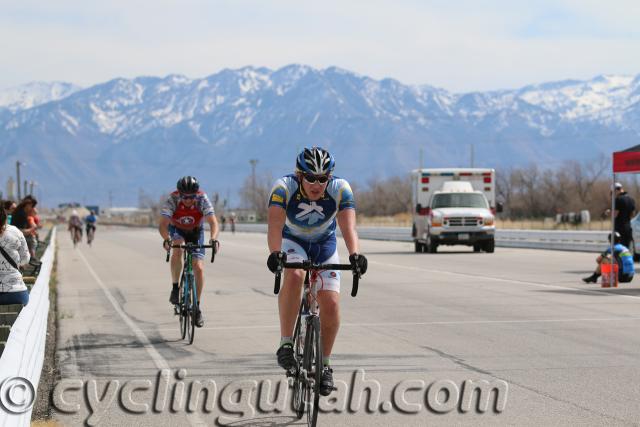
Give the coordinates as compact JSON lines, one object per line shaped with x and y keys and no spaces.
{"x":24,"y":351}
{"x":582,"y":241}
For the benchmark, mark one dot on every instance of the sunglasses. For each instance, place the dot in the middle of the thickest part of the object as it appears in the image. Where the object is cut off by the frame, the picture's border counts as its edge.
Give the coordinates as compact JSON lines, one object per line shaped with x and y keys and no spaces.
{"x":188,"y":196}
{"x":312,"y":179}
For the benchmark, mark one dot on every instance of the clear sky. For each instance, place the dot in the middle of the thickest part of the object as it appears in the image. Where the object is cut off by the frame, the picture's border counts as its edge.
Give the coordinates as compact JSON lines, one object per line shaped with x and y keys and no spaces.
{"x":460,"y":46}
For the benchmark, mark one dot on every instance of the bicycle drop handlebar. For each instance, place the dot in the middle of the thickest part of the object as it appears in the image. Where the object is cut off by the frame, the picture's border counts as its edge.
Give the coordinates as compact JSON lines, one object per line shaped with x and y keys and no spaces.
{"x":191,"y":247}
{"x":309,"y":266}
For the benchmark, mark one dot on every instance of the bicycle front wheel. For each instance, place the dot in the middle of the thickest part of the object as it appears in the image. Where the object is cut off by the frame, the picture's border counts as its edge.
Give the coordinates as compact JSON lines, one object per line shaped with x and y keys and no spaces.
{"x":193,"y":308}
{"x":300,"y":383}
{"x":182,"y":304}
{"x":313,"y":366}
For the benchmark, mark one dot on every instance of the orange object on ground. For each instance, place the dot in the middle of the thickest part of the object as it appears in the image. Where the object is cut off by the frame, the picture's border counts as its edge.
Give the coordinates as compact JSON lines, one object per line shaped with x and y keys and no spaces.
{"x":605,"y":270}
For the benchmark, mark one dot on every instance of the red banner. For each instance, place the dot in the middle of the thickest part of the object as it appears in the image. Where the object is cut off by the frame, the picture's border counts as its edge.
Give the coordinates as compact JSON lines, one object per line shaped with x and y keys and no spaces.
{"x":627,"y":161}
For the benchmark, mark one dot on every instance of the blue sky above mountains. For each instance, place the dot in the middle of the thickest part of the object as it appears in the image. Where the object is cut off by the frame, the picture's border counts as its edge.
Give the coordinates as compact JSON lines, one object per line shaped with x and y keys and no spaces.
{"x":457,"y":45}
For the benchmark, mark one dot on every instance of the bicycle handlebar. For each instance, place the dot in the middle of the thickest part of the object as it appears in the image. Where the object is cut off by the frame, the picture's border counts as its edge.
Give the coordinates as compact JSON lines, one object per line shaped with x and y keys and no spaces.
{"x":192,"y":247}
{"x":309,"y":266}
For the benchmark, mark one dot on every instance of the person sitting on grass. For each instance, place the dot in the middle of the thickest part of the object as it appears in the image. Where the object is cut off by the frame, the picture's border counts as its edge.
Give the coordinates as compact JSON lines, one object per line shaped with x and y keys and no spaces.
{"x":623,"y":257}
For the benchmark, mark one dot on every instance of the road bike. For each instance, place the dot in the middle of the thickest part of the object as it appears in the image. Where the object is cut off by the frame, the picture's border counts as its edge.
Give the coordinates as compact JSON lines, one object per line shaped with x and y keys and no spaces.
{"x":76,"y":235}
{"x":307,"y":339}
{"x":188,"y":305}
{"x":91,"y":231}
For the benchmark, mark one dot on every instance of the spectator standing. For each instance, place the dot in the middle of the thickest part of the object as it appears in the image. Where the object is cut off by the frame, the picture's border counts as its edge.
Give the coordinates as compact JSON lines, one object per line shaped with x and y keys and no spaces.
{"x":13,"y":253}
{"x":9,"y":207}
{"x":232,"y":221}
{"x":625,"y":208}
{"x":23,"y":219}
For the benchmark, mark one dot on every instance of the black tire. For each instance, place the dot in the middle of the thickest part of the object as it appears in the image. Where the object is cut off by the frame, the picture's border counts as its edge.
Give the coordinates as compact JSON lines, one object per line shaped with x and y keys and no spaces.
{"x":490,"y":246}
{"x":476,"y":247}
{"x":418,"y":247}
{"x":298,"y":382}
{"x":184,"y":319}
{"x":192,"y":309}
{"x":432,"y":246}
{"x":313,"y":364}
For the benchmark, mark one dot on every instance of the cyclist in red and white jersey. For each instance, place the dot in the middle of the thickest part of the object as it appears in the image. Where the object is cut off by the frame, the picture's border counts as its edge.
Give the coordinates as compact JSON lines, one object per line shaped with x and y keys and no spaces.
{"x":182,"y":220}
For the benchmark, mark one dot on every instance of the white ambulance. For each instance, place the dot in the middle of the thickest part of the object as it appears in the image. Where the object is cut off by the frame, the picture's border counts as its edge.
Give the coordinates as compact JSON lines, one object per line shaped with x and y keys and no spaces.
{"x":454,"y":207}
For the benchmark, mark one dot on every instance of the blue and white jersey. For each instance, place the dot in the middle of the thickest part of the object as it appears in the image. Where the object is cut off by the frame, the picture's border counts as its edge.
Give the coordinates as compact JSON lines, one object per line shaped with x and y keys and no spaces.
{"x":311,"y":221}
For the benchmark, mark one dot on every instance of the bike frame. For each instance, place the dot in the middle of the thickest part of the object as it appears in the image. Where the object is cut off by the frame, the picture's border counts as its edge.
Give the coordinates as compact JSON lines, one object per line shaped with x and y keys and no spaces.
{"x":187,"y":313}
{"x":307,"y":337}
{"x":187,"y":271}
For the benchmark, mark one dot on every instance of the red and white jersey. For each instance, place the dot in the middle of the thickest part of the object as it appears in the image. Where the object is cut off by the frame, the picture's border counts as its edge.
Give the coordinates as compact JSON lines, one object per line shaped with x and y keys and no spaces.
{"x":187,"y":218}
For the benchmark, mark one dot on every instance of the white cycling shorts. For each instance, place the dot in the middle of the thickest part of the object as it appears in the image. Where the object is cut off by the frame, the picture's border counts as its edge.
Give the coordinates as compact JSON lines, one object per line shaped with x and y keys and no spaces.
{"x":328,"y":280}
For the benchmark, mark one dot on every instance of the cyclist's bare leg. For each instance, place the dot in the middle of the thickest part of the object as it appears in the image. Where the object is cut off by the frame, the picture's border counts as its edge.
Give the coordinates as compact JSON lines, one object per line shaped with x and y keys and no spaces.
{"x":176,"y":261}
{"x":198,"y":272}
{"x":329,"y":319}
{"x":289,"y":300}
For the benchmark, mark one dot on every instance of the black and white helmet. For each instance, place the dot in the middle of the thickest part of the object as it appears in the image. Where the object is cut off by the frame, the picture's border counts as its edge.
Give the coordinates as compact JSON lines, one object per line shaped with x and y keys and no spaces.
{"x":617,"y":237}
{"x":316,"y":161}
{"x":188,"y":185}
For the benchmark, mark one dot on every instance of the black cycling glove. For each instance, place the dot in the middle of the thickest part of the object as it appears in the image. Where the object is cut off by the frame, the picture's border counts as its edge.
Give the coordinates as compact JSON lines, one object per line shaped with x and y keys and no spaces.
{"x":275,"y":261}
{"x":359,"y":261}
{"x":216,"y":245}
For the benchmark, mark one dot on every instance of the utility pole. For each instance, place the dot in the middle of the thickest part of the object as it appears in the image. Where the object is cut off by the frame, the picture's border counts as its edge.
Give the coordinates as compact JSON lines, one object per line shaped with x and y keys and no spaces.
{"x":471,"y":148}
{"x":31,"y":185}
{"x":25,"y":187}
{"x":18,"y":164}
{"x":11,"y":189}
{"x":253,"y":162}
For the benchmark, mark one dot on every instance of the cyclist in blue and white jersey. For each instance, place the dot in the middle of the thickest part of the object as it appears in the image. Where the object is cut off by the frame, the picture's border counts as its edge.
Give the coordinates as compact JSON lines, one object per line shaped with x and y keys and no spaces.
{"x":303,"y":209}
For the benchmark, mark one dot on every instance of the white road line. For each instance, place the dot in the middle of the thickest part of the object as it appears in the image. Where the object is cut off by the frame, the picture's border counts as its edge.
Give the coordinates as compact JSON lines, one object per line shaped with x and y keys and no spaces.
{"x":158,"y":360}
{"x":451,"y":322}
{"x":499,"y":279}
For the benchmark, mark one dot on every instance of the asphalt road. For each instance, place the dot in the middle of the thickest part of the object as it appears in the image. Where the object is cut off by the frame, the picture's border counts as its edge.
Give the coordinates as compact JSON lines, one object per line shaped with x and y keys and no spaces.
{"x":558,"y":352}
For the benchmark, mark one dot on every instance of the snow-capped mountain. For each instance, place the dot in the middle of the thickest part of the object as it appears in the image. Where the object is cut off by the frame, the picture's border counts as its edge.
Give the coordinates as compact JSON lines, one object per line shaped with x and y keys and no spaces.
{"x":143,"y":133}
{"x":33,"y":94}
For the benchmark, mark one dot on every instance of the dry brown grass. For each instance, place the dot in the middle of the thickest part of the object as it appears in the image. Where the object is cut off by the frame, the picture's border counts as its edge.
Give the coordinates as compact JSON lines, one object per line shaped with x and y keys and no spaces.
{"x":398,"y":220}
{"x":46,"y":423}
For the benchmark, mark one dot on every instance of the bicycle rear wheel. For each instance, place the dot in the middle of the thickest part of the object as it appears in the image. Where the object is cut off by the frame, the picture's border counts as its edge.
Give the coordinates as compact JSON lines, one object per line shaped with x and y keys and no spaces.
{"x":313,"y":365}
{"x":182,"y":306}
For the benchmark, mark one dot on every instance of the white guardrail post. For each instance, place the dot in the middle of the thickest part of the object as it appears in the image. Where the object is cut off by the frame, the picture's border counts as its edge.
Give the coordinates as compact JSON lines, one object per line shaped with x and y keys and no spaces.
{"x":24,"y":351}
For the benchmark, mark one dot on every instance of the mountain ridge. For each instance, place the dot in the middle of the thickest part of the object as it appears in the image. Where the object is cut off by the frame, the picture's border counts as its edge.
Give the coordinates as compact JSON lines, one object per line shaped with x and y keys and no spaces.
{"x":146,"y":131}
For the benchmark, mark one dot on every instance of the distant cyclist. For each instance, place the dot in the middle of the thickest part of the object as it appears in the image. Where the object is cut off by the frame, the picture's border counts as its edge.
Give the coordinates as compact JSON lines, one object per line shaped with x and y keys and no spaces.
{"x":75,"y":226}
{"x":90,"y":224}
{"x":182,"y":220}
{"x":303,"y":208}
